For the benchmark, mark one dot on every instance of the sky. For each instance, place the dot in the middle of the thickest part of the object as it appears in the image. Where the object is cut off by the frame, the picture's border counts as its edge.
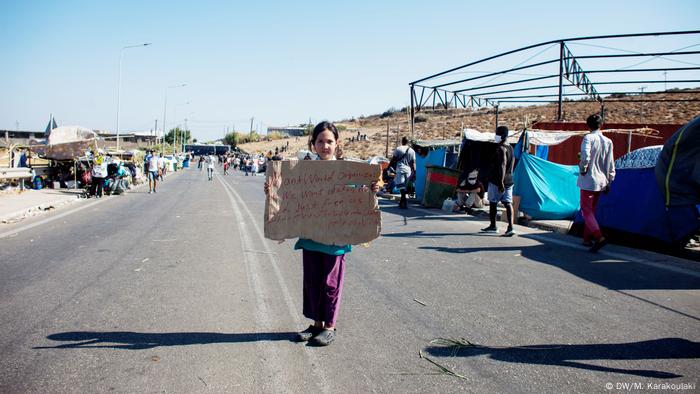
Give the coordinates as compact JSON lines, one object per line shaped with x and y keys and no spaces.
{"x":278,"y":62}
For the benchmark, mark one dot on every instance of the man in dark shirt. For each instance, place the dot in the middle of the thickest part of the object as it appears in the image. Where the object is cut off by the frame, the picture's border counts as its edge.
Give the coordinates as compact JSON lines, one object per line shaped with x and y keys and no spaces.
{"x":500,"y":187}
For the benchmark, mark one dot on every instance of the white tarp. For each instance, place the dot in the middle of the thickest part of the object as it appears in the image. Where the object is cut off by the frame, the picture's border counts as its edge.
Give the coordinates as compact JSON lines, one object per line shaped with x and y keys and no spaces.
{"x":69,"y":142}
{"x":534,"y":137}
{"x":476,"y":135}
{"x":66,"y":134}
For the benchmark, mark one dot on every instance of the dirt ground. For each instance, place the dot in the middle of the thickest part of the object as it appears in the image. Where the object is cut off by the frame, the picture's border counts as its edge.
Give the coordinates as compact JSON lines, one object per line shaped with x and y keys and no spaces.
{"x":446,"y":124}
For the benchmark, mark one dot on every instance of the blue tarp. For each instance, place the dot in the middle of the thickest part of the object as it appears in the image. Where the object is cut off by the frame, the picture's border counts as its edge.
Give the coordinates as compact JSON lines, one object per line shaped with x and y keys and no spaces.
{"x":434,"y":158}
{"x":635,"y":205}
{"x":547,"y":190}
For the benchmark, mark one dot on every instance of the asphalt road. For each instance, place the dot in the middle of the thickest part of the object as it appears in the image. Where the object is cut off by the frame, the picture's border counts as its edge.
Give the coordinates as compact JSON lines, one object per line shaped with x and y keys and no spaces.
{"x":179,"y":292}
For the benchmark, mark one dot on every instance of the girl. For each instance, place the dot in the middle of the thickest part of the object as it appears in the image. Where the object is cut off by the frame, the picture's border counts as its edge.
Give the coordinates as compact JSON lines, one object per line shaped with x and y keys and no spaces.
{"x":324,"y":265}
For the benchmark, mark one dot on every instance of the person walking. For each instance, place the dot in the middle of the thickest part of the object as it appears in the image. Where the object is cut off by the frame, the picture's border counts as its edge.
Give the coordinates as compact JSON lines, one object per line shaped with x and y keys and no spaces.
{"x":210,"y":167}
{"x":153,"y":170}
{"x":500,"y":187}
{"x":596,"y":173}
{"x":404,"y":160}
{"x":323,"y":265}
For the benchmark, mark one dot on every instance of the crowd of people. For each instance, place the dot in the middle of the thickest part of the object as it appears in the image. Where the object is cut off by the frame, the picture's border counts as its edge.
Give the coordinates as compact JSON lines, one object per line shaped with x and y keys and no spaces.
{"x":249,"y":165}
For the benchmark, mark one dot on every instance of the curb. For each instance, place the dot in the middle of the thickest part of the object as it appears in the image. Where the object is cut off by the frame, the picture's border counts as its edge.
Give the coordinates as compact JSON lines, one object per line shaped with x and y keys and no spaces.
{"x":18,"y":216}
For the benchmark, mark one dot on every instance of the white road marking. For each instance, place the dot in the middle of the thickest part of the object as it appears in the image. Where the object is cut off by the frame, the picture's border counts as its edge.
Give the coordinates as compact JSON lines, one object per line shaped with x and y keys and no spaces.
{"x":252,"y":269}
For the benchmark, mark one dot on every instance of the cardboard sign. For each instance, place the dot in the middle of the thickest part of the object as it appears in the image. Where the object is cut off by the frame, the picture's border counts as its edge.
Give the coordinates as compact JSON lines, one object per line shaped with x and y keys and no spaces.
{"x":322,"y":200}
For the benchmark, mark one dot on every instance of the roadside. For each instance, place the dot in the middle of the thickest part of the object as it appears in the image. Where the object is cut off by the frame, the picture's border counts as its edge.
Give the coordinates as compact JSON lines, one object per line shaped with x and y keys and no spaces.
{"x":16,"y":205}
{"x":691,"y":252}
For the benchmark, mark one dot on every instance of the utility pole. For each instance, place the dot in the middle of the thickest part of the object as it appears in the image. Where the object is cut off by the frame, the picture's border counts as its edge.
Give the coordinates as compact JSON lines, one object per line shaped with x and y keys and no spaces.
{"x":185,"y":134}
{"x":665,"y":88}
{"x":251,"y":124}
{"x":641,"y":104}
{"x":386,"y":154}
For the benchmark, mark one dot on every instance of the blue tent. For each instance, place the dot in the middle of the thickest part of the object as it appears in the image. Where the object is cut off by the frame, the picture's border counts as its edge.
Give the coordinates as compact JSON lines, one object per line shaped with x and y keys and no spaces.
{"x":442,"y":153}
{"x":547,"y":190}
{"x":635,"y":205}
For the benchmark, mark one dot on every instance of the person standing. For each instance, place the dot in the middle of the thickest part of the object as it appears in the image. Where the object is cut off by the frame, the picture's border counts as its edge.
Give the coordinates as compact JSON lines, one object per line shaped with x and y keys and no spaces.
{"x":596,"y":173}
{"x":404,"y":160}
{"x":323,"y":265}
{"x":500,"y":187}
{"x":99,"y":173}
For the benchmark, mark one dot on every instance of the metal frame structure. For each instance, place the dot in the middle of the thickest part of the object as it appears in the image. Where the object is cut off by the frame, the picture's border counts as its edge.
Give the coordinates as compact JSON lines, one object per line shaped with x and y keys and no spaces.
{"x":449,"y":89}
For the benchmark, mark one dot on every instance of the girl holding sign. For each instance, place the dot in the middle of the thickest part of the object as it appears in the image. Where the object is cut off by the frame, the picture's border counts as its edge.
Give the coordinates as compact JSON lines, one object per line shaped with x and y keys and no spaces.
{"x":324,"y":265}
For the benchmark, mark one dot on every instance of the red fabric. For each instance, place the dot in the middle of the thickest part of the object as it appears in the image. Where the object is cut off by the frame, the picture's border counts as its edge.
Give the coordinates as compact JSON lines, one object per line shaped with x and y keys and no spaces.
{"x":567,"y":151}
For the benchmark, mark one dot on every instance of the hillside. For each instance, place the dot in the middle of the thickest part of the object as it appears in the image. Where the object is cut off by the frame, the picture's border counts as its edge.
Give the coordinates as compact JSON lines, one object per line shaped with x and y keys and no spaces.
{"x":446,"y":124}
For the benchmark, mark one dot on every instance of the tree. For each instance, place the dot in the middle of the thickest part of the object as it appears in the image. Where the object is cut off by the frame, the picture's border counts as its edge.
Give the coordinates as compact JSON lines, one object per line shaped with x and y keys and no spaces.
{"x":232,"y":139}
{"x":181,"y":135}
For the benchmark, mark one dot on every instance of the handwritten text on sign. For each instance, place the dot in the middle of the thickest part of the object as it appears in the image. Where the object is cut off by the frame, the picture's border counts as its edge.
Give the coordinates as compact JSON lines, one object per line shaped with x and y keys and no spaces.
{"x":323,"y":201}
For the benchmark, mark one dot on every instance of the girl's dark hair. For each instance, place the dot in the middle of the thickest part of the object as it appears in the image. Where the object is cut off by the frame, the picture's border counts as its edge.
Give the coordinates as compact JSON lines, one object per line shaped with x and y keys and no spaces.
{"x":320,"y":128}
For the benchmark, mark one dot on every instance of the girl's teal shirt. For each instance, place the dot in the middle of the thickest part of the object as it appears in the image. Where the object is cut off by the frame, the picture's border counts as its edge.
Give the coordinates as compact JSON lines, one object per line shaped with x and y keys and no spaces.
{"x":333,"y":250}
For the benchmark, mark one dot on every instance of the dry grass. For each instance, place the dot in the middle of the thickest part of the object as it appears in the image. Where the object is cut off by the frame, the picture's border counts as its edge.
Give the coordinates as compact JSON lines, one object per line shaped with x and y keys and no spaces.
{"x":446,"y":124}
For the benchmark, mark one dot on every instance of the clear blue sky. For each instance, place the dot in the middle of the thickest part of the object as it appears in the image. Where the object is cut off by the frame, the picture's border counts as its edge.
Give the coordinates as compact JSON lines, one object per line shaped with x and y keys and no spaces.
{"x":281,"y":62}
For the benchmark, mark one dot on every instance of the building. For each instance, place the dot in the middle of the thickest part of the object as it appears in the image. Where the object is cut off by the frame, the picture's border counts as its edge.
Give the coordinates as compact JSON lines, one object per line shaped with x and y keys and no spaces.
{"x":19,"y":137}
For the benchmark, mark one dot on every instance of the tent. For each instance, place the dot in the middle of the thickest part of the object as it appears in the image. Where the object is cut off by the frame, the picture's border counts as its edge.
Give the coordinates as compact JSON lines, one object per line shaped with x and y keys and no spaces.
{"x":442,"y":153}
{"x":547,"y":190}
{"x":69,"y":142}
{"x":678,"y":168}
{"x":634,"y":208}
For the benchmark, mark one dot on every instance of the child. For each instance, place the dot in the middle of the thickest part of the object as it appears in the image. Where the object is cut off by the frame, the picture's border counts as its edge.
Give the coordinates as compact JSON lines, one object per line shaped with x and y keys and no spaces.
{"x":324,"y":265}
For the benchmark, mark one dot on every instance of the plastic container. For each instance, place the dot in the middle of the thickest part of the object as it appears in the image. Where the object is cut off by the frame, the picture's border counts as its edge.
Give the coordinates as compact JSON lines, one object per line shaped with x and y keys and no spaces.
{"x":38,"y":183}
{"x":440,"y":184}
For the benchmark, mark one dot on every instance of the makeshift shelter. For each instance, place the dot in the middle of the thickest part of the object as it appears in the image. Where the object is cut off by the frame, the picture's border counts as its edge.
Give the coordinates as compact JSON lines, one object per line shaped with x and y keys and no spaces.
{"x":547,"y":190}
{"x":678,"y":168}
{"x":68,"y":142}
{"x":441,"y":153}
{"x":634,"y":208}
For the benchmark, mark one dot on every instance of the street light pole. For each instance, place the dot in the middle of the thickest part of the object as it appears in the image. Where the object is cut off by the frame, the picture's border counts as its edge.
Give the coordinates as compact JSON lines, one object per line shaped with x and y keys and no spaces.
{"x":175,"y":144}
{"x":165,"y":107}
{"x":119,"y":84}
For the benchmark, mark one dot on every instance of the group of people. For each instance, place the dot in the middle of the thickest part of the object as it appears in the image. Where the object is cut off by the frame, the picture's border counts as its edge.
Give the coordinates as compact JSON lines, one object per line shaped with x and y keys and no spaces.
{"x":596,"y":173}
{"x":109,"y":174}
{"x":248,"y":164}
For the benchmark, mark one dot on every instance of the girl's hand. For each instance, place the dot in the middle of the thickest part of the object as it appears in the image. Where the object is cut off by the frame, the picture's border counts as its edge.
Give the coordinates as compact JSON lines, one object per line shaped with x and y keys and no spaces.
{"x":374,"y":186}
{"x":338,"y":152}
